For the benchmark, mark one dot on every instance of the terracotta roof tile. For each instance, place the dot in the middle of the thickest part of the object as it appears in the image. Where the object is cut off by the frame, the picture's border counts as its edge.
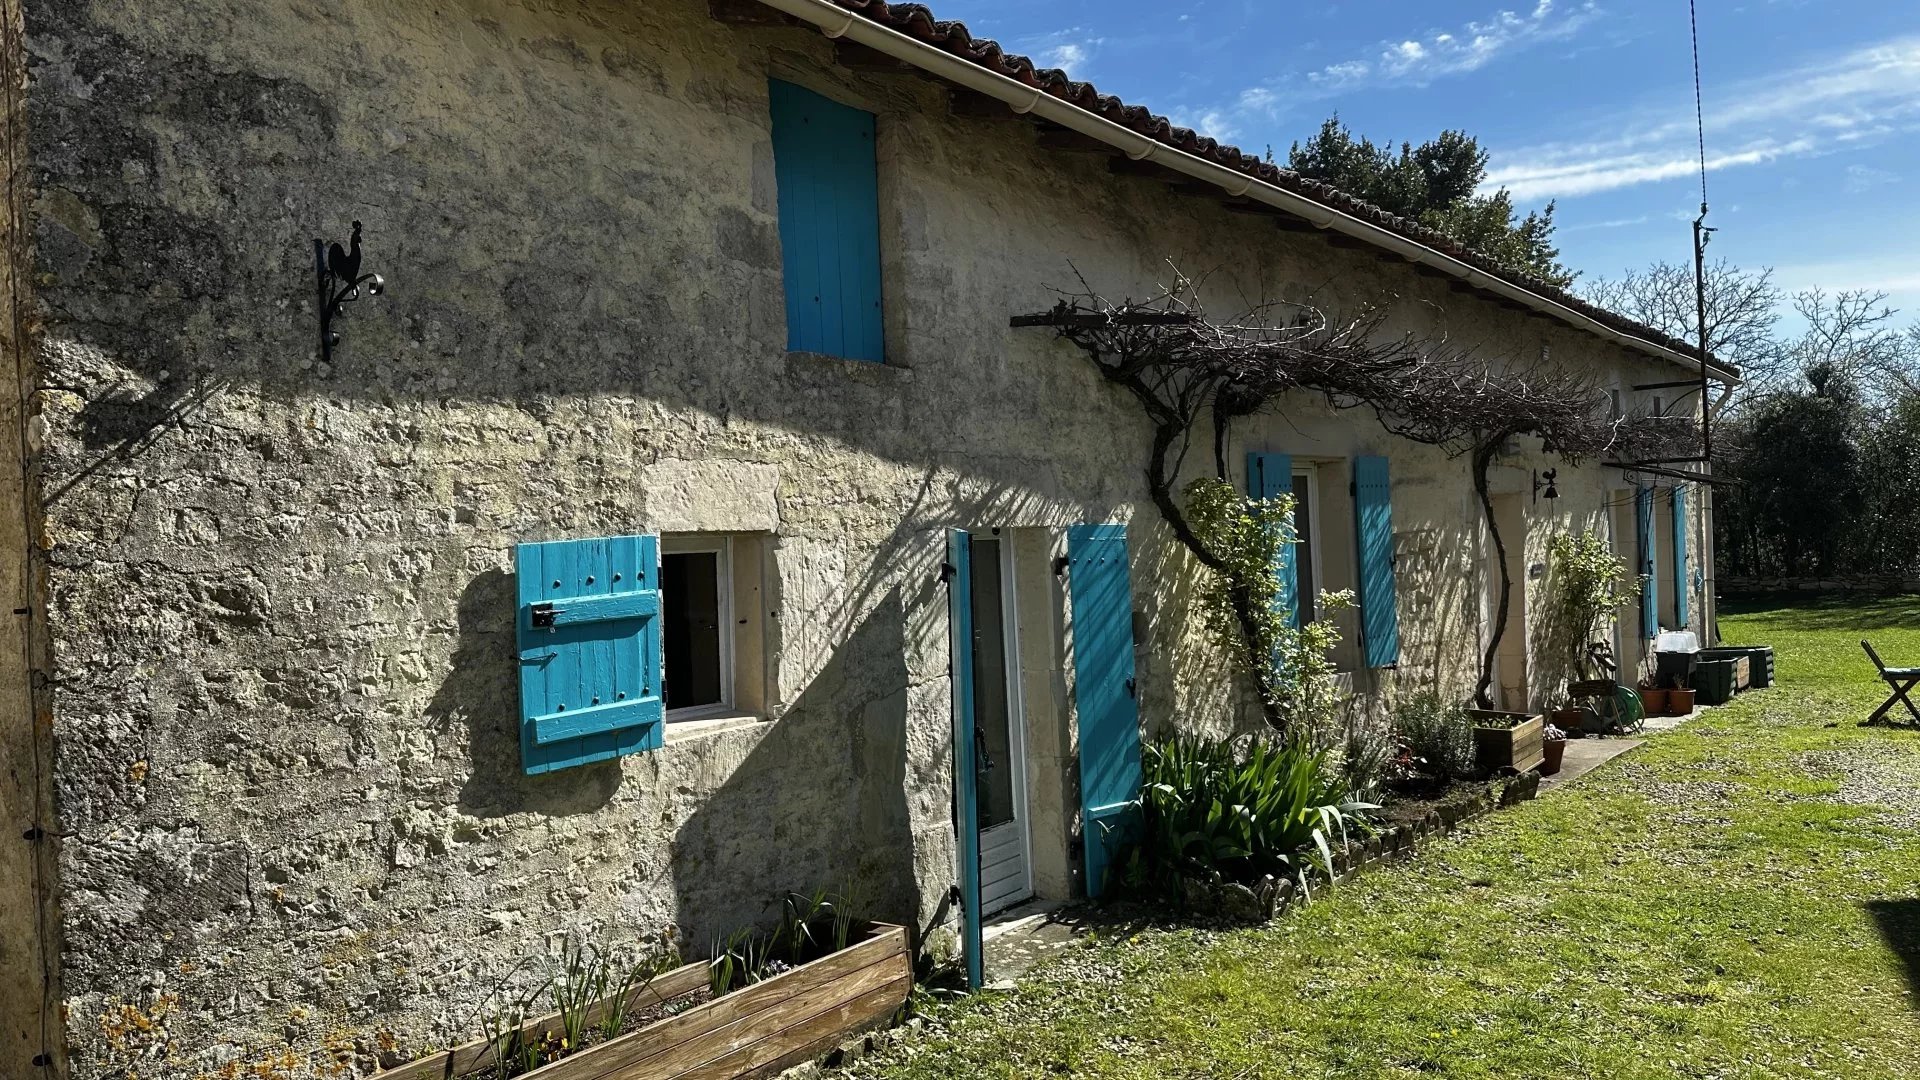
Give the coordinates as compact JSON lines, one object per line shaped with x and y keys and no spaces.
{"x":918,"y":21}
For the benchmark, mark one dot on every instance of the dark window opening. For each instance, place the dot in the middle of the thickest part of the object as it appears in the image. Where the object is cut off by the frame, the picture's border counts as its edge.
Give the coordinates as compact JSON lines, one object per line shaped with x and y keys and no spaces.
{"x":1303,"y":553}
{"x":690,"y":629}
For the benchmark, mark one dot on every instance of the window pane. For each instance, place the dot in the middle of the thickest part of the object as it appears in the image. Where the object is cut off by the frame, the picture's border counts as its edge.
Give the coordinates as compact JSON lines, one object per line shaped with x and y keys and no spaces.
{"x":690,"y":599}
{"x":993,"y":748}
{"x":1303,"y":553}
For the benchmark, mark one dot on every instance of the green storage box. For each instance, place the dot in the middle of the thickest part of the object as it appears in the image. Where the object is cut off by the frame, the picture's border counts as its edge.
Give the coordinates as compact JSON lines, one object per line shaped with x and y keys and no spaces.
{"x":1714,"y":681}
{"x":1759,"y":665}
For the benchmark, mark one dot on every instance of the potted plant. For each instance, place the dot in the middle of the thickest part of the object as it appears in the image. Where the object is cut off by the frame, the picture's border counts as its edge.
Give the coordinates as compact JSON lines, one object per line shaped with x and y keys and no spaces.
{"x":1506,"y":741}
{"x":1679,"y":701}
{"x":1653,"y":699}
{"x":1553,"y":747}
{"x":1567,"y":716}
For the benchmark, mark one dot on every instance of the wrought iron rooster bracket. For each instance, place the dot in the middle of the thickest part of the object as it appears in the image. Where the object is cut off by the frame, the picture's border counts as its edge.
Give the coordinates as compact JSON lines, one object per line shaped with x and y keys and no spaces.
{"x":340,"y":281}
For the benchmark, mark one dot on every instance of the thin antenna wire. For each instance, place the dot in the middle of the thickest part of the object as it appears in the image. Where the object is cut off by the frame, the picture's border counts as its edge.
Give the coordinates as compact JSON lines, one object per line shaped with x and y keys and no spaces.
{"x":1699,"y":114}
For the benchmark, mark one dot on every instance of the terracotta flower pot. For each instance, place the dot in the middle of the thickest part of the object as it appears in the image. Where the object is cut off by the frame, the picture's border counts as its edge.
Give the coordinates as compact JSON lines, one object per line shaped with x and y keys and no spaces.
{"x":1569,"y":720}
{"x":1679,"y":703}
{"x":1655,"y":700}
{"x":1551,"y":753}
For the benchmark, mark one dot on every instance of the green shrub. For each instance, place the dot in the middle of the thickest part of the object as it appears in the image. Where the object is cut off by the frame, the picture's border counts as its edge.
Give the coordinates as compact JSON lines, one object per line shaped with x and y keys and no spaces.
{"x":1213,"y":813}
{"x":1436,"y":734}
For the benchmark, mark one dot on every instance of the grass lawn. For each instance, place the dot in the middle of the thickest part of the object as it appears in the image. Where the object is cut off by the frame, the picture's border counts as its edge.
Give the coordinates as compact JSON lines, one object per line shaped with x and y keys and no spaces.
{"x":1738,"y":898}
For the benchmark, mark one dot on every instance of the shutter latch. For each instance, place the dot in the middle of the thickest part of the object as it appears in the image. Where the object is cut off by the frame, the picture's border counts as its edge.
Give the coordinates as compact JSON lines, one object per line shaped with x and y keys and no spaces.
{"x":543,"y":614}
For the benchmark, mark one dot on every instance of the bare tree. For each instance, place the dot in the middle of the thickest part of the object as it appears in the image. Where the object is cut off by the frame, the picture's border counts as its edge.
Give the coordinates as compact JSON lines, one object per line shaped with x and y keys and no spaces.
{"x":1743,"y":307}
{"x":1851,"y":333}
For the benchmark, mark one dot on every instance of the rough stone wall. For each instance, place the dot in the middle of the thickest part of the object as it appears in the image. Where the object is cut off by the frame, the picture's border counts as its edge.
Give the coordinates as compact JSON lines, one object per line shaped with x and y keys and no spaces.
{"x":281,"y":592}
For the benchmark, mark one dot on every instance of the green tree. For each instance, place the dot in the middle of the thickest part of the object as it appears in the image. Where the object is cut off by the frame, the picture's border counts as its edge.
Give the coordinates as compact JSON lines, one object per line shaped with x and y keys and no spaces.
{"x":1437,"y":185}
{"x":1798,"y":456}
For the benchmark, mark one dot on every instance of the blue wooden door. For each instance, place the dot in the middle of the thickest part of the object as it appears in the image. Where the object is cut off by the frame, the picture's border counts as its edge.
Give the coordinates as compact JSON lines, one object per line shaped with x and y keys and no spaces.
{"x":588,"y":629}
{"x":1379,"y":592}
{"x":1101,"y":592}
{"x":1682,"y":581}
{"x":966,"y":795}
{"x":1270,"y":476}
{"x":1649,"y":581}
{"x":825,"y":167}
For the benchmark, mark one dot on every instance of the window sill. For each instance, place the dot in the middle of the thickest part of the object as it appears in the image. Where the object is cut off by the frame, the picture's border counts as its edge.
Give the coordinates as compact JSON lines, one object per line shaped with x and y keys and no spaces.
{"x":700,"y":724}
{"x":877,"y":372}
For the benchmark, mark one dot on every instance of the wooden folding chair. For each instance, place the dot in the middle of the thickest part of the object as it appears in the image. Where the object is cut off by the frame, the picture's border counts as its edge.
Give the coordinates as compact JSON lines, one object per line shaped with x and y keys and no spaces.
{"x":1901,"y":679}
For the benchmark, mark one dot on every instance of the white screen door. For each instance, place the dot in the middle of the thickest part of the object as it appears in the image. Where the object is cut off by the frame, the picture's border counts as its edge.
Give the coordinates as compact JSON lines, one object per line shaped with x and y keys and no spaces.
{"x":1000,"y":746}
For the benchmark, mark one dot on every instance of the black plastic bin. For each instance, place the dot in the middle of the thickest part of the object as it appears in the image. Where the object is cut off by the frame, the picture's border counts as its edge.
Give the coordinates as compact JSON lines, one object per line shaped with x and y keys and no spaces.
{"x":1674,"y":668}
{"x":1713,"y":682}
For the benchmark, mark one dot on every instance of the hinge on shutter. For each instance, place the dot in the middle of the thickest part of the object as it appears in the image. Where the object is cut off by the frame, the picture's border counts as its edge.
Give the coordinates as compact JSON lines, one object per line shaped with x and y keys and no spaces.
{"x":947,"y":572}
{"x":543,"y":614}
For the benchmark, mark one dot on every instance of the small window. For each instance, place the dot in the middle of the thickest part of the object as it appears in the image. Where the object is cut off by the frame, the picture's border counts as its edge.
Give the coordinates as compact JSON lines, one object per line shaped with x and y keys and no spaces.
{"x":827,"y":172}
{"x":713,"y":626}
{"x":1306,"y":493}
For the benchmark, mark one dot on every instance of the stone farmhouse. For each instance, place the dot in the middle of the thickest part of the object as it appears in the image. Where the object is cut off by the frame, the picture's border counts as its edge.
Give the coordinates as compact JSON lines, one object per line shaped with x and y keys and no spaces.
{"x":603,"y":576}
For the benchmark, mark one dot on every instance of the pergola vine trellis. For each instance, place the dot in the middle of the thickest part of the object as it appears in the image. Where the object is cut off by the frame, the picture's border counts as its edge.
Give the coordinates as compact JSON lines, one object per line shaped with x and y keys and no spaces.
{"x":1189,"y":373}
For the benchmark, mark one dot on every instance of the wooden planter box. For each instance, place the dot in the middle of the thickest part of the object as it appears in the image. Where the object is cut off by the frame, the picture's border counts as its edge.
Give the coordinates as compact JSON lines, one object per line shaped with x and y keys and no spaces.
{"x":752,"y":1032}
{"x":1499,"y":748}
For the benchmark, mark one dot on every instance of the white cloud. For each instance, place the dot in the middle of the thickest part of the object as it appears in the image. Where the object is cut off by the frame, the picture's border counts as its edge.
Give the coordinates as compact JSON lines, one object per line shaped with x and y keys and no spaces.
{"x":1855,"y":100}
{"x":1554,"y":176}
{"x":1615,"y":223}
{"x":1865,"y":177}
{"x":1070,"y":55}
{"x":1070,"y":50}
{"x":1419,"y":59}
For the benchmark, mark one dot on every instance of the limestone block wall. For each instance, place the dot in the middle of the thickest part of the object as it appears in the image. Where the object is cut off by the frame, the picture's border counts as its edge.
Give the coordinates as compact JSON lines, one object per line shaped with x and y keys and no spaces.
{"x":280,"y":591}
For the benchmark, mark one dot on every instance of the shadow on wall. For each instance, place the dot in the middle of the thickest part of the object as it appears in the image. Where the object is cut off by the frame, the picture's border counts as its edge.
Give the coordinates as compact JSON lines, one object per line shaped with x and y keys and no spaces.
{"x":1188,"y":681}
{"x":482,"y":692}
{"x":1899,"y":924}
{"x":1440,"y":581}
{"x":820,"y":801}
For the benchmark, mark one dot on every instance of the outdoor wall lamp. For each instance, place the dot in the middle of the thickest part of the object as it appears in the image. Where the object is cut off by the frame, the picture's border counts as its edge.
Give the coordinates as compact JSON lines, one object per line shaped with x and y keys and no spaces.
{"x":340,"y":280}
{"x":1545,"y":480}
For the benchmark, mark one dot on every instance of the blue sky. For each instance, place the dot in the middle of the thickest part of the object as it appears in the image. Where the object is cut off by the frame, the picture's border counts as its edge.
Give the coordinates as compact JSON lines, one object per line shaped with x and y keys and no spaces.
{"x":1812,"y":107}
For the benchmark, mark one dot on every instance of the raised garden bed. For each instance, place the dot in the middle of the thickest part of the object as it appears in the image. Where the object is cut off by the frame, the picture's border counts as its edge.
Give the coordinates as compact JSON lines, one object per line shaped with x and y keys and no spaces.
{"x":755,"y":1031}
{"x":1504,"y":741}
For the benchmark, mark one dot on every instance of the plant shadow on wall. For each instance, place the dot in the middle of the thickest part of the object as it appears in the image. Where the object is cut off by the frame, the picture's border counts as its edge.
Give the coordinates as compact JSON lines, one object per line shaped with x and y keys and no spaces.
{"x":1586,"y":587}
{"x":821,"y":794}
{"x":482,"y":693}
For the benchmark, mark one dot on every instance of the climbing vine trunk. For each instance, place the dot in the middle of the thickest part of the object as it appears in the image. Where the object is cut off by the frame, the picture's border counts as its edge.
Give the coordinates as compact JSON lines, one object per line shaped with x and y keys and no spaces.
{"x":1482,"y":461}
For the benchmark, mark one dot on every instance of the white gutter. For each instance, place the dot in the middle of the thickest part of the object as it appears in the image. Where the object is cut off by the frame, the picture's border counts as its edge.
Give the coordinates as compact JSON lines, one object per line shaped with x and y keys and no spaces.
{"x":838,"y":22}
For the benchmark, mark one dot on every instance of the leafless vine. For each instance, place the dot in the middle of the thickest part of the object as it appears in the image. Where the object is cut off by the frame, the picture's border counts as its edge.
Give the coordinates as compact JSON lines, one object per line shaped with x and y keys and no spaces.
{"x":1186,"y":370}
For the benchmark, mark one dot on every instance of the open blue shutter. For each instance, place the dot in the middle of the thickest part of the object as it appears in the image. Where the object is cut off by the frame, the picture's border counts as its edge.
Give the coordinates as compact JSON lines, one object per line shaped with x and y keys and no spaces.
{"x":589,"y":637}
{"x":1270,"y":476}
{"x":1682,"y":616}
{"x":829,"y":191}
{"x":966,"y":812}
{"x":1101,"y":592}
{"x":1649,"y":581}
{"x":1379,"y":592}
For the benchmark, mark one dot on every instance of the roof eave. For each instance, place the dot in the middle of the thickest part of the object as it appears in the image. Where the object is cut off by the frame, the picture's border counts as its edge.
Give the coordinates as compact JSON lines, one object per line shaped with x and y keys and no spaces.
{"x":838,"y":22}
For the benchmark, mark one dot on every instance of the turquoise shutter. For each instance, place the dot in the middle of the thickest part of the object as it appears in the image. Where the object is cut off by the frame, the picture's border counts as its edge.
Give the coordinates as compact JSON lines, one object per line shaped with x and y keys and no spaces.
{"x":1270,"y":476}
{"x":966,"y":812}
{"x":1649,"y":582}
{"x":1682,"y":616}
{"x":1379,"y":588}
{"x":829,"y":192}
{"x":589,"y":637}
{"x":1101,"y":592}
